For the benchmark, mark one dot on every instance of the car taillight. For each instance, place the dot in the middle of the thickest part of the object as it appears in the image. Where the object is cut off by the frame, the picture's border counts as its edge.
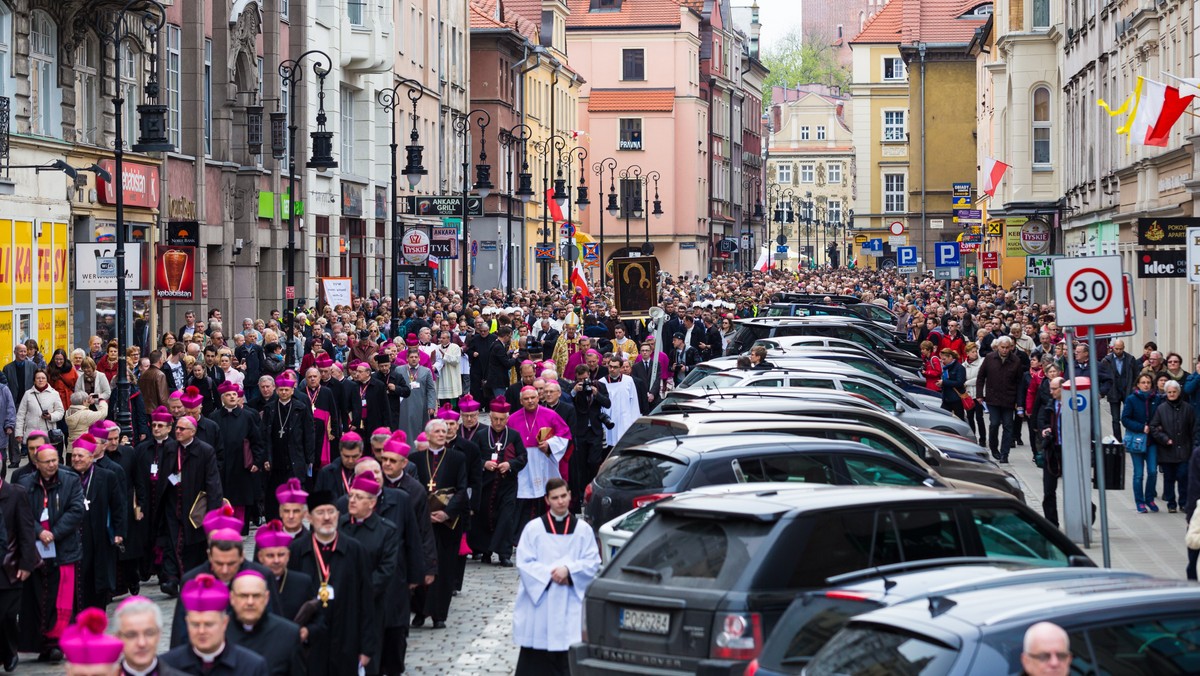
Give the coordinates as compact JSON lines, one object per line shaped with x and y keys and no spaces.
{"x":587,"y":494}
{"x":752,"y":668}
{"x":643,"y":500}
{"x":737,"y":636}
{"x":847,"y":596}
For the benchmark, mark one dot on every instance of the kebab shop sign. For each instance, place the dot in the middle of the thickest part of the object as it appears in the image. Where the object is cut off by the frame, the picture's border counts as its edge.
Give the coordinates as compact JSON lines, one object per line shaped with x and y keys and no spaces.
{"x":175,"y":273}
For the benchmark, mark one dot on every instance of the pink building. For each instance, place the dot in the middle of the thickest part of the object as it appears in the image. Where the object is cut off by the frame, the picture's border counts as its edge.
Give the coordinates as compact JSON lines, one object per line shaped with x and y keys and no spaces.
{"x":642,"y":108}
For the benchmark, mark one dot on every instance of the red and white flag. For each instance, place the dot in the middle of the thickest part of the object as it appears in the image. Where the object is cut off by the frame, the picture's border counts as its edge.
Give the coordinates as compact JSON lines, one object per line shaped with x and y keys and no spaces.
{"x":580,"y":282}
{"x":764,"y":261}
{"x":433,"y":262}
{"x":1156,"y":109}
{"x":556,"y":213}
{"x":993,"y":171}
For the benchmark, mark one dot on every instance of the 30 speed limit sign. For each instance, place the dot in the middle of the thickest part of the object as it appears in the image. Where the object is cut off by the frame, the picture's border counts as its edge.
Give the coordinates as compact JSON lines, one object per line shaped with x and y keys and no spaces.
{"x":1088,"y":291}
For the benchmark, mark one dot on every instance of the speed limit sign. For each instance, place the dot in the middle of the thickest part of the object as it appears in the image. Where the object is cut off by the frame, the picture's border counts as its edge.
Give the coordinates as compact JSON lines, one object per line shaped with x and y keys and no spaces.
{"x":1088,"y":291}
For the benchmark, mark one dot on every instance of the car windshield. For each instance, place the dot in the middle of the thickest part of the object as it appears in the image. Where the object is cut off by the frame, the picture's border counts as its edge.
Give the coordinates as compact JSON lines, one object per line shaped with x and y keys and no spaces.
{"x":640,"y":471}
{"x":809,"y":624}
{"x":697,"y":373}
{"x":868,"y":650}
{"x":717,"y":381}
{"x":678,"y":551}
{"x":634,"y":520}
{"x":644,"y":431}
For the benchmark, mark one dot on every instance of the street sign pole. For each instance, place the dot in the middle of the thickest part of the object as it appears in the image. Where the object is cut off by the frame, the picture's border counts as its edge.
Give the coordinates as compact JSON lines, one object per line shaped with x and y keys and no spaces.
{"x":1093,"y":375}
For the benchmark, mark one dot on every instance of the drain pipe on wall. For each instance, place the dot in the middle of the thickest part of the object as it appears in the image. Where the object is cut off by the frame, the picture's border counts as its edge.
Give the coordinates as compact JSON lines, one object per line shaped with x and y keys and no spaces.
{"x":924,"y":223}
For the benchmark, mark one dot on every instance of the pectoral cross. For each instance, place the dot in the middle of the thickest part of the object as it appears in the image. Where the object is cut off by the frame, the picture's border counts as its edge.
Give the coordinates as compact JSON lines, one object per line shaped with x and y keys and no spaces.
{"x":430,"y":484}
{"x":281,"y":431}
{"x":323,"y":594}
{"x":87,"y":505}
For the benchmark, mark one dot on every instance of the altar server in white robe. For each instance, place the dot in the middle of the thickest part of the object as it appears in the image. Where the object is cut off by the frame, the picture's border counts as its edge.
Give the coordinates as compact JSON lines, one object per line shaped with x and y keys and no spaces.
{"x":557,"y":560}
{"x":622,"y":395}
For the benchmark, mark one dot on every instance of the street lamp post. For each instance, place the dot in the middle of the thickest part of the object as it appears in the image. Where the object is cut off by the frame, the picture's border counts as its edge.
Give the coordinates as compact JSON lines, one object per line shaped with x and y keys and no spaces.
{"x":809,"y":210}
{"x":550,"y":150}
{"x":846,"y":235}
{"x":781,"y":197}
{"x":483,"y":180}
{"x":631,"y":206}
{"x":657,"y":212}
{"x":758,"y":214}
{"x":510,"y":138}
{"x":115,"y":28}
{"x":413,"y":171}
{"x":292,"y":72}
{"x":611,"y":207}
{"x":578,"y":195}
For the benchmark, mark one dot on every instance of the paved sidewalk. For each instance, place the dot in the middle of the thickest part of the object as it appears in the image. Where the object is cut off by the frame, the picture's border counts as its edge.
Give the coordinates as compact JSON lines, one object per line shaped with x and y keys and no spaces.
{"x":1151,"y":543}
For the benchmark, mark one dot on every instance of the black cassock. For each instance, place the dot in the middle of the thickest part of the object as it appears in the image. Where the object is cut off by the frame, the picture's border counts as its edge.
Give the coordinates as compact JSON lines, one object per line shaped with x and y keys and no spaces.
{"x":179,"y":620}
{"x":494,"y":528}
{"x":103,"y":520}
{"x":474,"y":460}
{"x":418,"y":500}
{"x":173,"y":502}
{"x":233,"y":661}
{"x":275,"y":639}
{"x":295,"y":588}
{"x":135,"y":465}
{"x":381,"y":540}
{"x":378,"y":411}
{"x":289,"y":435}
{"x":330,"y":400}
{"x":237,"y":428}
{"x":446,"y":470}
{"x":335,"y":478}
{"x":209,"y":432}
{"x":346,"y":628}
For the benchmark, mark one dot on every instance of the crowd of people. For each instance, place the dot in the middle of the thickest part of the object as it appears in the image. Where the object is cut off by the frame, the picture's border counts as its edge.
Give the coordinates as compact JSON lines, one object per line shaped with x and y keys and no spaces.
{"x":368,"y":456}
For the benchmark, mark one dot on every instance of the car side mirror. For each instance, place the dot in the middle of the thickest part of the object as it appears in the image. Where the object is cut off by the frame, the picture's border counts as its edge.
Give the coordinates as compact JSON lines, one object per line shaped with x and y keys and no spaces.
{"x":1080,"y":561}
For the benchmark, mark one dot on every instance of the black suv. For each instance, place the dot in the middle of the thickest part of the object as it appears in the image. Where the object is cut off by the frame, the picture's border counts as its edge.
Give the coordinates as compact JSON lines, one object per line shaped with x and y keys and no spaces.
{"x":701,"y":584}
{"x":860,"y":331}
{"x":814,"y":617}
{"x":1126,"y":626}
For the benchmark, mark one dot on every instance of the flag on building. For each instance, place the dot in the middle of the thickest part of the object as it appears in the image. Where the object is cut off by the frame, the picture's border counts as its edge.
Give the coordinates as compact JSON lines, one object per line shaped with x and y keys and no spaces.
{"x":556,"y":213}
{"x":1156,"y":107}
{"x":993,"y":171}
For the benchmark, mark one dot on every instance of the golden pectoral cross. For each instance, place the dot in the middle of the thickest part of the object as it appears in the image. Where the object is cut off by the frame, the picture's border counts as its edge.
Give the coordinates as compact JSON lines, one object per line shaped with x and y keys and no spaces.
{"x":323,"y":594}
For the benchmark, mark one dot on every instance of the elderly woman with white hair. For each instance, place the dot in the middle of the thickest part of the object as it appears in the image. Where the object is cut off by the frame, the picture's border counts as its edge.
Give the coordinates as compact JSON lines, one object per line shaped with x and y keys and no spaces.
{"x":1173,"y":428}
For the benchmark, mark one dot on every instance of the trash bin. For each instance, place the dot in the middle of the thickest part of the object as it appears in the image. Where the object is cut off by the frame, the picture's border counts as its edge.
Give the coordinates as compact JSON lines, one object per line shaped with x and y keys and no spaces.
{"x":1114,"y":467}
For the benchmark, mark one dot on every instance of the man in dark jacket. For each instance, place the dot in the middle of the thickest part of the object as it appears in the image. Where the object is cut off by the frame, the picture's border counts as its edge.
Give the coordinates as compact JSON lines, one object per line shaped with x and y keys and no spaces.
{"x":16,"y":522}
{"x":339,"y":473}
{"x":499,"y":361}
{"x":260,"y":631}
{"x":291,"y":446}
{"x":245,"y":453}
{"x":187,"y":469}
{"x":683,"y":357}
{"x":1049,"y":424}
{"x":478,"y":351}
{"x":998,"y":386}
{"x":587,"y":431}
{"x":104,"y":524}
{"x":56,"y":500}
{"x":207,"y":599}
{"x":1173,"y":428}
{"x":1118,"y":374}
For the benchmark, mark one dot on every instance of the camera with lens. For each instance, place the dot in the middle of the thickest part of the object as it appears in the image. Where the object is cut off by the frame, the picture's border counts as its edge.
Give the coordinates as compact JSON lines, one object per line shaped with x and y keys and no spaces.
{"x":606,"y":421}
{"x":586,"y":387}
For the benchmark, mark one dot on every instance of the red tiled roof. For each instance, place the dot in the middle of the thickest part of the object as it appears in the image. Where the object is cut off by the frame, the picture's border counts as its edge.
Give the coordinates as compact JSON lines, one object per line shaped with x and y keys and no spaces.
{"x":631,"y":100}
{"x":633,"y":13}
{"x":883,"y":27}
{"x":484,"y":13}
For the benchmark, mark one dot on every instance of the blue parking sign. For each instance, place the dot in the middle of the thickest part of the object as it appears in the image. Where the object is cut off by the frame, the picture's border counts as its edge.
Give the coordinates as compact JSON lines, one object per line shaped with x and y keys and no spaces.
{"x":906,"y":256}
{"x":946,"y":255}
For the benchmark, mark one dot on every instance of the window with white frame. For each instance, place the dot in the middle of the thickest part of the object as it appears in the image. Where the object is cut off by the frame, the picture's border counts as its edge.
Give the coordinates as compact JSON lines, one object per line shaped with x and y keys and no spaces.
{"x":1041,"y":126}
{"x":284,"y":9}
{"x":820,"y":132}
{"x":208,"y":77}
{"x":835,"y":211}
{"x":804,"y":132}
{"x":174,"y":63}
{"x":807,"y":172}
{"x":893,"y":193}
{"x":893,"y":69}
{"x":87,"y":91}
{"x":347,"y":130}
{"x":7,"y":83}
{"x":630,"y":129}
{"x":1041,"y":13}
{"x":45,"y":97}
{"x":893,"y":125}
{"x":355,"y":9}
{"x":834,"y":169}
{"x":131,"y":90}
{"x":783,"y":173}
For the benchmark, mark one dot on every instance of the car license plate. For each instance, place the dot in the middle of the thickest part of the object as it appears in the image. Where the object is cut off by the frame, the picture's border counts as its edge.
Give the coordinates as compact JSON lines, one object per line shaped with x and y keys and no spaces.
{"x":645,"y":621}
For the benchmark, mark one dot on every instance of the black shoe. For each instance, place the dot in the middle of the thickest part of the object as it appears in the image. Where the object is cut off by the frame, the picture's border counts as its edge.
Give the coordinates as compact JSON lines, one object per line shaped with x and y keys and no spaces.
{"x":1004,"y":460}
{"x":11,"y":664}
{"x":53,"y":655}
{"x":418,"y":621}
{"x":135,"y":589}
{"x":507,"y":563}
{"x":171,"y":589}
{"x":439,"y":624}
{"x":486,"y":557}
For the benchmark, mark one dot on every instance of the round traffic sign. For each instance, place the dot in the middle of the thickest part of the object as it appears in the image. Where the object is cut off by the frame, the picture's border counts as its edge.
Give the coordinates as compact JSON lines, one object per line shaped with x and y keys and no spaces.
{"x":781,"y":240}
{"x":1089,"y":291}
{"x":567,"y":229}
{"x":896,"y":228}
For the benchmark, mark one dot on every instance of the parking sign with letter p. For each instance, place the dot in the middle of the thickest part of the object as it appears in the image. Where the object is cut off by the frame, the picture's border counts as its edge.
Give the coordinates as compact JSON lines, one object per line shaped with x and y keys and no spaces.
{"x":945,"y":255}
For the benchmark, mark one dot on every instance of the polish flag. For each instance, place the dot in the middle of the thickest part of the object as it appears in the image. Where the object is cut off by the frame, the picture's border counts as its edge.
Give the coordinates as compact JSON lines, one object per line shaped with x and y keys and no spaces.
{"x":993,"y":171}
{"x":1157,"y":107}
{"x":433,"y":262}
{"x":580,"y":282}
{"x":764,"y":261}
{"x":556,"y":213}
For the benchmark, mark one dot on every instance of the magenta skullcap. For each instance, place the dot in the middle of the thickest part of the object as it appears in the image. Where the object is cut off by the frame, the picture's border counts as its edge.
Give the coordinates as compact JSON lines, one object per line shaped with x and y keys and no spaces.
{"x":87,"y":442}
{"x":447,"y":413}
{"x":381,"y":432}
{"x":365,"y":483}
{"x":191,"y":397}
{"x":205,"y":593}
{"x":499,"y":405}
{"x":224,"y":535}
{"x":351,"y":438}
{"x":227,"y":386}
{"x":222,"y":517}
{"x":272,"y":534}
{"x":396,"y":447}
{"x":467,"y":404}
{"x":324,"y":362}
{"x":284,"y":381}
{"x":291,"y":493}
{"x":98,"y":429}
{"x":85,"y":643}
{"x":161,"y":414}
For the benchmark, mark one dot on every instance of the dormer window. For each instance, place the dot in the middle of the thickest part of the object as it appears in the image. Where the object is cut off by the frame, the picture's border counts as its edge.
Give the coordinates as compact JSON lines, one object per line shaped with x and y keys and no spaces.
{"x":605,"y":6}
{"x":980,"y":11}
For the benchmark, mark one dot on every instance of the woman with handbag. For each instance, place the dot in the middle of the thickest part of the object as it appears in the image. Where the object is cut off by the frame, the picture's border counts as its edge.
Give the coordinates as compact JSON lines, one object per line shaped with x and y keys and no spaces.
{"x":1139,"y":408}
{"x":954,"y":379}
{"x":41,"y":409}
{"x":975,"y":416}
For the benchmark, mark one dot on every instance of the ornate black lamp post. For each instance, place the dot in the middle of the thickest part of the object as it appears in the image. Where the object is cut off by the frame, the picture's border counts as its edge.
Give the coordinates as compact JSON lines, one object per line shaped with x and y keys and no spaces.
{"x":611,"y":207}
{"x":114,"y":27}
{"x":510,"y":138}
{"x":483,"y":181}
{"x":389,"y":99}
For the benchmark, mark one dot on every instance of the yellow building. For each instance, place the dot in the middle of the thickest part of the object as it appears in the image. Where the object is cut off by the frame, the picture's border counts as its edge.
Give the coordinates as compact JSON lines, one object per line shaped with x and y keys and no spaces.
{"x":914,"y":135}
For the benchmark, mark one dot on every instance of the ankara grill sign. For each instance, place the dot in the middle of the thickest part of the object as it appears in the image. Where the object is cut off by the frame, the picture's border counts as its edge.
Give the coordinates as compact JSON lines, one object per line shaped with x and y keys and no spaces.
{"x":444,"y":205}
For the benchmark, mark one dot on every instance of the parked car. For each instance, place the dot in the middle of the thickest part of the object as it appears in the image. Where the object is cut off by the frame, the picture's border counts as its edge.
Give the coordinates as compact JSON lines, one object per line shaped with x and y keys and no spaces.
{"x":902,"y":443}
{"x":868,"y":363}
{"x":856,"y":311}
{"x":1117,"y":625}
{"x":913,"y":409}
{"x":781,"y":451}
{"x":858,"y":330}
{"x":704,"y":581}
{"x":814,"y":617}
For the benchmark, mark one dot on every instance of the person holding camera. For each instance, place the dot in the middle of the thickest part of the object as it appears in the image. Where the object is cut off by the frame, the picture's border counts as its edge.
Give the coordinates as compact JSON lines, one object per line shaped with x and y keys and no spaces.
{"x":590,"y":398}
{"x":683,"y":357}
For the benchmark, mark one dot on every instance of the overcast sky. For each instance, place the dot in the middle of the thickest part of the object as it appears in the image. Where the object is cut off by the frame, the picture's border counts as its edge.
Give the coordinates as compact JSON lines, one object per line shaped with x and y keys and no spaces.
{"x":776,"y":16}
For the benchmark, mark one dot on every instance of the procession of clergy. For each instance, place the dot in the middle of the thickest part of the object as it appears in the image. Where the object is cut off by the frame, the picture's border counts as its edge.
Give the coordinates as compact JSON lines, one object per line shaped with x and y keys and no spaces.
{"x":372,"y":498}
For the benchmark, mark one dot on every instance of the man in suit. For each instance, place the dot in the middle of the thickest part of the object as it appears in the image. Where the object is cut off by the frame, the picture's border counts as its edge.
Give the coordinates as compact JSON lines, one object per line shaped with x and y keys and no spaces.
{"x":1118,"y":374}
{"x":16,"y":523}
{"x":188,"y":467}
{"x":683,"y":357}
{"x":18,"y":374}
{"x":587,"y":431}
{"x":642,"y":370}
{"x":206,"y":651}
{"x":153,"y":384}
{"x":264,"y":633}
{"x":271,"y":551}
